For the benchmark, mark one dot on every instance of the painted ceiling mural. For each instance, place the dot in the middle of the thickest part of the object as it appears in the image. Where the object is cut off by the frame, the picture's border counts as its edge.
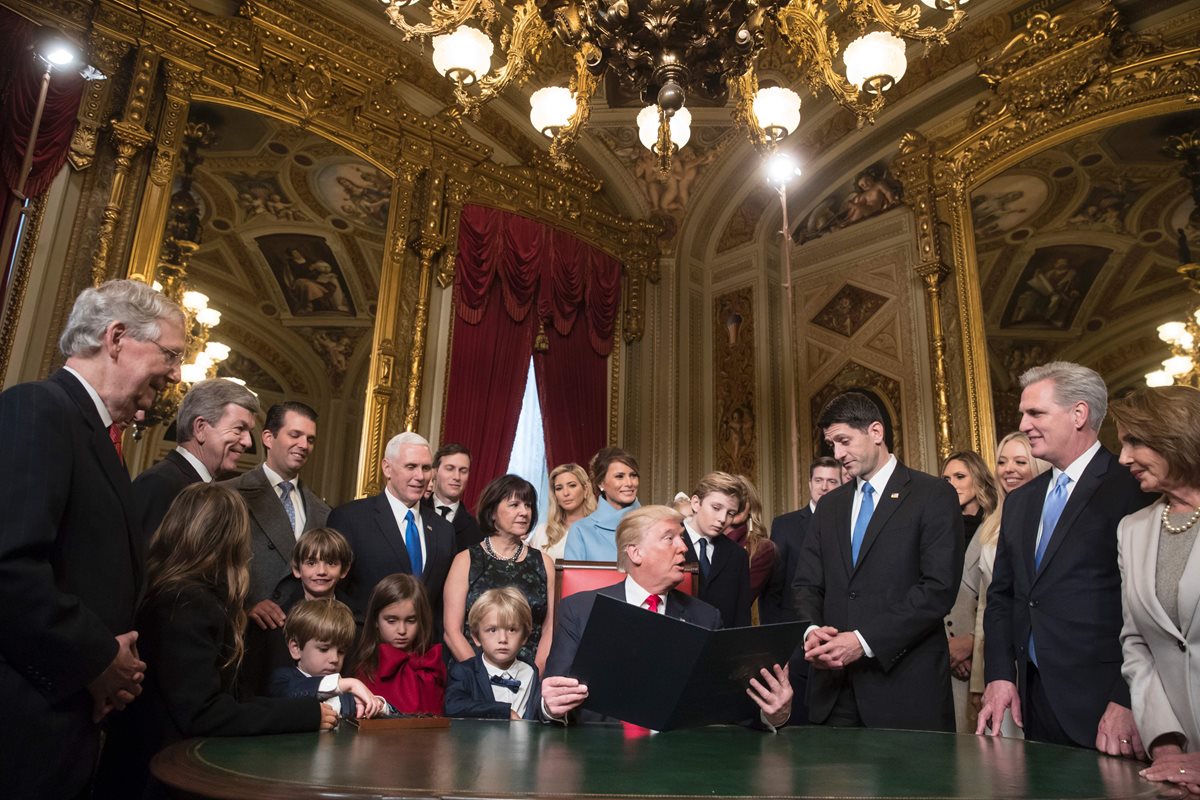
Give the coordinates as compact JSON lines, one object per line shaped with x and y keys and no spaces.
{"x":1078,"y":248}
{"x":293,"y":231}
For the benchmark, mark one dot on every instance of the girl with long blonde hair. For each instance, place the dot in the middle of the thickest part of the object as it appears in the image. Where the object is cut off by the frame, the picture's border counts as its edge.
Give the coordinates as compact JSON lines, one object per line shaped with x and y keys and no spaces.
{"x":571,"y":499}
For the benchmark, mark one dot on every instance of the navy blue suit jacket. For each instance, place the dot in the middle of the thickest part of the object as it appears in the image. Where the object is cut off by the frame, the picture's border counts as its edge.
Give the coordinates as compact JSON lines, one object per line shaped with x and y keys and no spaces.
{"x":291,"y":682}
{"x":469,"y":693}
{"x":156,"y":488}
{"x":1072,"y":603}
{"x":726,"y":587}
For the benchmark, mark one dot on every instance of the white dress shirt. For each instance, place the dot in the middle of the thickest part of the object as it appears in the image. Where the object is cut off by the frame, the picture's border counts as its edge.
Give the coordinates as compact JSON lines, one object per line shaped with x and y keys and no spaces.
{"x":439,"y":502}
{"x":274,"y":478}
{"x":399,"y":511}
{"x":635,"y":595}
{"x":518,"y":670}
{"x":196,"y":463}
{"x":696,"y":536}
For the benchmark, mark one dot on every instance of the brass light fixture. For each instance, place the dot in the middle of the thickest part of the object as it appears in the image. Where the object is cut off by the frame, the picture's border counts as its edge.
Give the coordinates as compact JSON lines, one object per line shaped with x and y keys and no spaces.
{"x":668,"y":50}
{"x":201,"y":355}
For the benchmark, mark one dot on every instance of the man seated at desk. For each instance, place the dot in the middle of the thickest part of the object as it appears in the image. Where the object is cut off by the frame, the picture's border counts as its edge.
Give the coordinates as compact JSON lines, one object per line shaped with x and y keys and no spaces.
{"x":651,"y":551}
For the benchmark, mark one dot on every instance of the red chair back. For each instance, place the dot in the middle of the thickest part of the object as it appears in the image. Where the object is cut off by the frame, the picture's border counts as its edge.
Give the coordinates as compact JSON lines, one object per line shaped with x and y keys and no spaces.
{"x":582,"y":576}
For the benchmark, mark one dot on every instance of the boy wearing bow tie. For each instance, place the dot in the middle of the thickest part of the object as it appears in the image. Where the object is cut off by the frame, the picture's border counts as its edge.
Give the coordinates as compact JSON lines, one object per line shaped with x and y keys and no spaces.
{"x":495,"y":684}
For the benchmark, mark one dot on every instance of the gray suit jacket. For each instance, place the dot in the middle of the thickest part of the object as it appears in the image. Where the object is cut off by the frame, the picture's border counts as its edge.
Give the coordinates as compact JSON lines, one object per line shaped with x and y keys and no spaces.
{"x":1158,"y":663}
{"x":271,"y":537}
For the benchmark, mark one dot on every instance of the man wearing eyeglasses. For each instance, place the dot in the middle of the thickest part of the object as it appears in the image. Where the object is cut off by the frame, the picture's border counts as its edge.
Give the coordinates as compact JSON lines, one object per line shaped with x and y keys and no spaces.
{"x":71,"y":553}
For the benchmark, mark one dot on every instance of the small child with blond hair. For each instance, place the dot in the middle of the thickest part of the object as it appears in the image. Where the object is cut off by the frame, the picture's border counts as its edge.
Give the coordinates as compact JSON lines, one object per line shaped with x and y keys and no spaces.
{"x":495,"y":684}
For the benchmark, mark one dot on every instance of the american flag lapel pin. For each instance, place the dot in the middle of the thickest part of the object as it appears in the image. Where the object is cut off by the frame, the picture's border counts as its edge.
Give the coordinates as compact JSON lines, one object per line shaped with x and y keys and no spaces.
{"x":895,"y":495}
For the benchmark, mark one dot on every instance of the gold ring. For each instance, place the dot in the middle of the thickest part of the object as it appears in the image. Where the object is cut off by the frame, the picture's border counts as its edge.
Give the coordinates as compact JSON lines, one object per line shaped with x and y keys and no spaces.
{"x":1124,"y":741}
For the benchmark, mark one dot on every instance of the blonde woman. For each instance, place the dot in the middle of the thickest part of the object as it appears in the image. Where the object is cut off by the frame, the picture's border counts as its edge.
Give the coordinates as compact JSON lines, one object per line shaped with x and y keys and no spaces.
{"x":571,"y":499}
{"x":1015,"y":467}
{"x":977,"y":499}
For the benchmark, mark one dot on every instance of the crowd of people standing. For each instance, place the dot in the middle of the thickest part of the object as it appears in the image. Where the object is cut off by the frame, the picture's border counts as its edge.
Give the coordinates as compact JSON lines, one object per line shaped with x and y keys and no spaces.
{"x":1050,"y":595}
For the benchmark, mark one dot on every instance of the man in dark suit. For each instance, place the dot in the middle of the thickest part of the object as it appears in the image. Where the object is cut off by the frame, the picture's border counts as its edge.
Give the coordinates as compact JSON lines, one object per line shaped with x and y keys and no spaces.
{"x":451,"y":471}
{"x":788,"y":532}
{"x":281,"y":507}
{"x":878,"y":572}
{"x":212,"y":431}
{"x":71,"y":552}
{"x":1052,"y":649}
{"x":391,"y":532}
{"x":651,"y":550}
{"x":724,"y":565}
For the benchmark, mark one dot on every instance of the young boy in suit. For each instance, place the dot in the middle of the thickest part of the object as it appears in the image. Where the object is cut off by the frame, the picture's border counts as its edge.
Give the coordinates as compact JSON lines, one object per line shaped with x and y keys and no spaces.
{"x":495,"y":684}
{"x":318,"y":633}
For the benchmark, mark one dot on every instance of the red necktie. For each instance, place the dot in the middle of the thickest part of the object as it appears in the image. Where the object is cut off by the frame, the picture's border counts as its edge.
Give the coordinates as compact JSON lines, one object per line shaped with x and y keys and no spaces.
{"x":652,"y":603}
{"x":114,"y":435}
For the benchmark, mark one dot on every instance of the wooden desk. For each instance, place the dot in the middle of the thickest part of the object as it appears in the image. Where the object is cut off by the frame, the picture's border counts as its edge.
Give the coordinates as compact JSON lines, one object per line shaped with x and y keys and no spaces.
{"x":495,"y":759}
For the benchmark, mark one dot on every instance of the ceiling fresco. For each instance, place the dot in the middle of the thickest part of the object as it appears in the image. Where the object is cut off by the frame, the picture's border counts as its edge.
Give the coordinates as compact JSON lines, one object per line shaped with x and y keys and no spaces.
{"x":1078,"y":248}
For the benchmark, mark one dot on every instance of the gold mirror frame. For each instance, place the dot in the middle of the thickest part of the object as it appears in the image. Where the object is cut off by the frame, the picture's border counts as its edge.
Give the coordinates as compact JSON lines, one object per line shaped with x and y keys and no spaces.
{"x":1062,"y":77}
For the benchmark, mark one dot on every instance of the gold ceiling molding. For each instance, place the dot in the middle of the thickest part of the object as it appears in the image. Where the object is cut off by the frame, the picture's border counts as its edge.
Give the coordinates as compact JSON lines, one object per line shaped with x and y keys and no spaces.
{"x":1061,"y":77}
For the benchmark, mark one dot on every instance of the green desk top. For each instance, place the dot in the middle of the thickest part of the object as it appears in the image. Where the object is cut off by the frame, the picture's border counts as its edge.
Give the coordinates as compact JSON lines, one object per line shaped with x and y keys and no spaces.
{"x":492,"y":759}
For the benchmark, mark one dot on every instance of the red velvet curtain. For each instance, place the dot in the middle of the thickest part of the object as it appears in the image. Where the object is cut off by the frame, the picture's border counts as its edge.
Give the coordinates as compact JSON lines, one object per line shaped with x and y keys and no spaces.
{"x":20,"y":84}
{"x":512,"y":275}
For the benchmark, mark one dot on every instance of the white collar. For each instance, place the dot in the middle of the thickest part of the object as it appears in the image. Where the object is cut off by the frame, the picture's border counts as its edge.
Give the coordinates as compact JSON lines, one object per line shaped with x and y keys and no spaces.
{"x":635,"y":595}
{"x":274,"y":478}
{"x":101,"y":409}
{"x":399,"y":508}
{"x":812,"y":506}
{"x":1075,"y":469}
{"x":695,"y":535}
{"x":518,"y":669}
{"x":196,"y":463}
{"x":439,"y":501}
{"x":880,"y":479}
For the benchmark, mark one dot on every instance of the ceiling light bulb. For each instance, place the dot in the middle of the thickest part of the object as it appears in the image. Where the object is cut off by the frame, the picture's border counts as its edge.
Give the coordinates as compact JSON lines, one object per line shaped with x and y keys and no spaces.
{"x":647,"y":122}
{"x":1177,"y":365}
{"x":777,"y":109}
{"x":193,"y":373}
{"x":463,"y":56}
{"x":551,"y":108}
{"x":59,"y":52}
{"x":217,"y":351}
{"x":1171,"y":332}
{"x":208,"y":317}
{"x":781,"y":169}
{"x":1158,"y":378}
{"x":875,"y":62}
{"x":195,"y":301}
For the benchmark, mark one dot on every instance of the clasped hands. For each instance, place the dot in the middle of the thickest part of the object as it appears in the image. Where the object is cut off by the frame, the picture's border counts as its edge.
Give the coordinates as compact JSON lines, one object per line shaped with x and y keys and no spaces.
{"x":828,"y":648}
{"x":121,"y":681}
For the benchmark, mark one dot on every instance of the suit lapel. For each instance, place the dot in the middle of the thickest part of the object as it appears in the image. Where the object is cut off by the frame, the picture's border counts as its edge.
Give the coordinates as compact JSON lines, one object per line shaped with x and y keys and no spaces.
{"x":390,"y":531}
{"x":268,"y":512}
{"x":843,"y":508}
{"x":1189,"y":588}
{"x":1081,"y":495}
{"x":1027,"y":527}
{"x":483,"y":680}
{"x":186,"y":470}
{"x":893,"y":494}
{"x":106,"y":455}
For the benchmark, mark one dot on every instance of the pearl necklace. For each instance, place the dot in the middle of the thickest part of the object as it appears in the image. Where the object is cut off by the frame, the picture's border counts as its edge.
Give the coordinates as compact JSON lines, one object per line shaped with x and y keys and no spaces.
{"x":487,"y":548}
{"x":1169,"y":528}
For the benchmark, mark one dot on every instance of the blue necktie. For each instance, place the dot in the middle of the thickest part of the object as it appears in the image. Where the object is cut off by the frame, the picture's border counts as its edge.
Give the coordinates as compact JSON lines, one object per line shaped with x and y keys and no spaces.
{"x":1051,"y":511}
{"x":285,"y":496}
{"x":413,"y":543}
{"x":704,"y":562}
{"x":865,"y":510}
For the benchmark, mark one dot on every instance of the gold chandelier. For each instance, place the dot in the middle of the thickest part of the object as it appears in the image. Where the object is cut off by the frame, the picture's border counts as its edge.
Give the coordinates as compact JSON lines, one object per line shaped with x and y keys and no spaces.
{"x":668,"y":50}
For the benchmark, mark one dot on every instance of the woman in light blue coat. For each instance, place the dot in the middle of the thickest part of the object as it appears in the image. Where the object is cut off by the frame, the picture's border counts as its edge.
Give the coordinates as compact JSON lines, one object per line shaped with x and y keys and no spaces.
{"x":615,"y":475}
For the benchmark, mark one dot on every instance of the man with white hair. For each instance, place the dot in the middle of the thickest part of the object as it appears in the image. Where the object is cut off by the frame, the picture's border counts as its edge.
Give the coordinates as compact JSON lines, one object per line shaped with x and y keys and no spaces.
{"x":390,"y":532}
{"x":72,"y":558}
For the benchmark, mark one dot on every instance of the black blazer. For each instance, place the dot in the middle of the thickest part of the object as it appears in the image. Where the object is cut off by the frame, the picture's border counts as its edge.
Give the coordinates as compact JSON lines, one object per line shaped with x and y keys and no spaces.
{"x":571,"y":616}
{"x":1072,"y":604}
{"x":378,"y":544}
{"x":156,"y":488}
{"x":727,"y":585}
{"x":469,"y":693}
{"x":466,"y":527}
{"x":186,"y":635}
{"x":291,"y":682}
{"x":905,"y":583}
{"x":787,"y":532}
{"x":71,"y":571}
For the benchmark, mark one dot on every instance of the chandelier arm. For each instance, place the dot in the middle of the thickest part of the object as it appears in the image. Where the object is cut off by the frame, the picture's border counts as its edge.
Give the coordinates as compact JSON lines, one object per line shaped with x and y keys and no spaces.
{"x":743,"y":88}
{"x":524,"y":42}
{"x":443,"y":18}
{"x":583,"y":86}
{"x":665,"y":146}
{"x":906,"y":22}
{"x":805,"y":29}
